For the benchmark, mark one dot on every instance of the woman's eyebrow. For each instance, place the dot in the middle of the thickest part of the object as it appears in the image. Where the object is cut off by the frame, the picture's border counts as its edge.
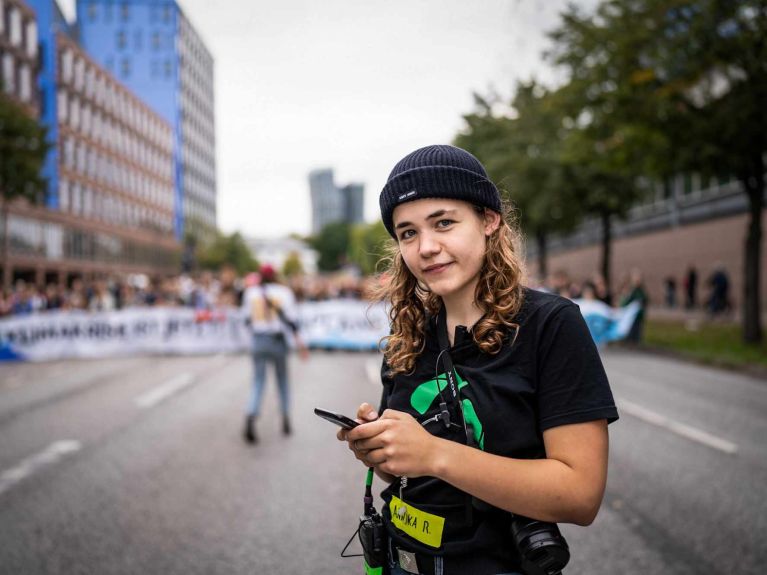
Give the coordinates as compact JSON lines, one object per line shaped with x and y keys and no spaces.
{"x":437,"y":214}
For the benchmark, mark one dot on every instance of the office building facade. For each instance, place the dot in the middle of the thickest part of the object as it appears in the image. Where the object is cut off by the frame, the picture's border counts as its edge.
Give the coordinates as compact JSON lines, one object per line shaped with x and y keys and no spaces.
{"x":18,"y":54}
{"x":151,"y":46}
{"x":109,"y":172}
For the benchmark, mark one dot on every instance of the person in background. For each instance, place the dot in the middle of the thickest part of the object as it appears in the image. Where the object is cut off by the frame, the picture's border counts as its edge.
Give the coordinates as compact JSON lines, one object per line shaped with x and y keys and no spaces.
{"x":691,"y":287}
{"x":670,"y":286}
{"x":600,"y":289}
{"x":271,"y":311}
{"x":719,"y":300}
{"x":639,"y":294}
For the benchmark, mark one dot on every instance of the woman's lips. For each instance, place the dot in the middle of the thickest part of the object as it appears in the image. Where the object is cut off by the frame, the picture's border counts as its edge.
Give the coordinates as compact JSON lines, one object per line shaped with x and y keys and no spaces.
{"x":437,"y":269}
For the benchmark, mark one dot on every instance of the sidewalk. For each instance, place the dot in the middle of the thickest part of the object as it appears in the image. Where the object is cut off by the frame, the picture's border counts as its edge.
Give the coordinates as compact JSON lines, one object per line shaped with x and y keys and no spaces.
{"x":698,"y":315}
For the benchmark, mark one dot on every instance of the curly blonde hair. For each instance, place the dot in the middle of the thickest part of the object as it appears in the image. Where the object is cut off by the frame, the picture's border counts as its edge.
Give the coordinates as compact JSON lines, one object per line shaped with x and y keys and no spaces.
{"x":498,"y":293}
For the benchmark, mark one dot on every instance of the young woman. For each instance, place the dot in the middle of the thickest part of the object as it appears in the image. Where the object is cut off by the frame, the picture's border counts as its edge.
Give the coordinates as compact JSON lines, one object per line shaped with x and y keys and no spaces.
{"x":518,"y":426}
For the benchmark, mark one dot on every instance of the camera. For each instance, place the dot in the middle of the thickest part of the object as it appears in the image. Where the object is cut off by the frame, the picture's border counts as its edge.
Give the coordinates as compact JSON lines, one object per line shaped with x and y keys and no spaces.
{"x":542,"y":548}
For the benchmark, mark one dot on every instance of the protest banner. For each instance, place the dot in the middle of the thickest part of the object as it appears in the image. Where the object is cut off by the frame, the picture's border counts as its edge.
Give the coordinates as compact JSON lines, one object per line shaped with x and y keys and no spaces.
{"x":338,"y":324}
{"x":333,"y":324}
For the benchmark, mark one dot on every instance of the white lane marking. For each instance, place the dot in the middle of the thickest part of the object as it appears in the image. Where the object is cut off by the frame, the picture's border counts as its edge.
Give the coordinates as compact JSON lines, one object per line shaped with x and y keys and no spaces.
{"x":373,"y":372}
{"x":687,"y":431}
{"x":52,"y":454}
{"x":163,"y":391}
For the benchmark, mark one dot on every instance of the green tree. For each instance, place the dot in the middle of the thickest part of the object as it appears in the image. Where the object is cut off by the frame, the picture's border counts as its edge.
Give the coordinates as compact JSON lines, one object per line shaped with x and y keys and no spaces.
{"x":227,"y":250}
{"x":292,"y":266}
{"x":521,"y":148}
{"x":692,"y":74}
{"x":711,"y":74}
{"x":332,"y":244}
{"x":367,"y":243}
{"x":609,"y":148}
{"x":22,"y":154}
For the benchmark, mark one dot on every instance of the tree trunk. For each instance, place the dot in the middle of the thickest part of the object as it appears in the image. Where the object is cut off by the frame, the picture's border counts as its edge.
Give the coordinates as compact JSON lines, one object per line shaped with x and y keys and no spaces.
{"x":540,"y":240}
{"x":606,"y":248}
{"x":752,"y":311}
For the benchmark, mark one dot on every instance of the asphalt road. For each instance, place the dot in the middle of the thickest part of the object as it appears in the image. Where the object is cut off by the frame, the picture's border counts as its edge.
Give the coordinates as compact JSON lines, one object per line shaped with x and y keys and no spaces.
{"x":137,"y":466}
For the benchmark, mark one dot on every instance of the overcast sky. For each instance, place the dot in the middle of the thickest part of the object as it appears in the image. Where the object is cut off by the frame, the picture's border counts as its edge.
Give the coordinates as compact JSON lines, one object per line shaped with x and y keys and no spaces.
{"x":352,"y":85}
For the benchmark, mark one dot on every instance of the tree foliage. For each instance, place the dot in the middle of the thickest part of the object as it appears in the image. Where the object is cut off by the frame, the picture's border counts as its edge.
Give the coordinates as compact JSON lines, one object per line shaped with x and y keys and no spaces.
{"x":367,"y":245}
{"x":683,"y":87}
{"x":22,"y":154}
{"x":292,"y":266}
{"x":332,"y":244}
{"x":520,"y":146}
{"x":227,"y":250}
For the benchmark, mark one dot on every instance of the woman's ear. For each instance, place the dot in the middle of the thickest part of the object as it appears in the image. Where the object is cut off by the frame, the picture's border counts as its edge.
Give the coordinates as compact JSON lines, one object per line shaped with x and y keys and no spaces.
{"x":492,"y":221}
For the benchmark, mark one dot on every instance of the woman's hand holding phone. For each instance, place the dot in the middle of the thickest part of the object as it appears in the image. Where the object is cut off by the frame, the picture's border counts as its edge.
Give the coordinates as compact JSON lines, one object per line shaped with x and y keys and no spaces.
{"x":365,"y":414}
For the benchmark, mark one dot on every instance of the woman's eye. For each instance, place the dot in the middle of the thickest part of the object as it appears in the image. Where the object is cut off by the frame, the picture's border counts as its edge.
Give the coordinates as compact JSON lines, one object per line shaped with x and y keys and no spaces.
{"x":407,"y":234}
{"x":444,"y":223}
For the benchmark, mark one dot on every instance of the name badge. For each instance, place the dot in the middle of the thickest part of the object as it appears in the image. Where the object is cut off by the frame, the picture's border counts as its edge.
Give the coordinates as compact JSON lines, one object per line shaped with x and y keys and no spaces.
{"x":421,"y":526}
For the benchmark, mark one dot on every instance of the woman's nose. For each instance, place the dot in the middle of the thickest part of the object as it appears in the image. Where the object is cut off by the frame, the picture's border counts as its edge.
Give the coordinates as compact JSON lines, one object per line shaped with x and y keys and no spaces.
{"x":429,"y":245}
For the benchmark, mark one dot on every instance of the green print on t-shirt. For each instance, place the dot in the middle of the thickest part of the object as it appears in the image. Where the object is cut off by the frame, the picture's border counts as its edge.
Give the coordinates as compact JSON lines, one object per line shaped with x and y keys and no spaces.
{"x":425,"y":394}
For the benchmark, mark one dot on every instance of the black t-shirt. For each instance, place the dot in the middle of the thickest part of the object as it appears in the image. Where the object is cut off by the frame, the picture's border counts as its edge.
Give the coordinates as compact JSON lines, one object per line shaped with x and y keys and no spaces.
{"x":550,"y":375}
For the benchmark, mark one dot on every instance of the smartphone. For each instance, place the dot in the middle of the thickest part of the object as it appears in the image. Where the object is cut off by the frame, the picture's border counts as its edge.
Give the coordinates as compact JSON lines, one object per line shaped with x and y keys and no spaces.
{"x":337,"y":418}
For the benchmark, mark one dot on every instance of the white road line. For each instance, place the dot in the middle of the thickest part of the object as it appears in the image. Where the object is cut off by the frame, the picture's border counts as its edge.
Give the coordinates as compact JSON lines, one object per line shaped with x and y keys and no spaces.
{"x":52,"y":454}
{"x":163,"y":391}
{"x":687,"y":431}
{"x":373,"y":372}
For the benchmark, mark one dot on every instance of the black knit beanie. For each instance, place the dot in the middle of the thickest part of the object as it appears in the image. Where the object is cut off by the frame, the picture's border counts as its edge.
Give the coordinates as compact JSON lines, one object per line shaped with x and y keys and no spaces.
{"x":437,"y":172}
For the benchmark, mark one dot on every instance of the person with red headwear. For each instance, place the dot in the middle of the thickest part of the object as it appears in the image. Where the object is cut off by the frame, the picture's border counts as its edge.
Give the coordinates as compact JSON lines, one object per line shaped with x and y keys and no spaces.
{"x":271,"y":310}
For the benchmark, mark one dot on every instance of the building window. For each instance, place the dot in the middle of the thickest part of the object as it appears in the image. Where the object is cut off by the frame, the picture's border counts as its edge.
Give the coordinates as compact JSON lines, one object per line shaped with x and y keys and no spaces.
{"x":93,"y":13}
{"x":69,"y":153}
{"x":90,"y":82}
{"x":155,"y":41}
{"x":66,"y":66}
{"x":75,"y":202}
{"x":32,"y":39}
{"x":121,"y":40}
{"x":25,"y":83}
{"x":166,"y":14}
{"x":9,"y":74}
{"x":137,"y":37}
{"x":15,"y":24}
{"x":124,"y":11}
{"x":63,"y":195}
{"x":62,"y":105}
{"x":79,"y":74}
{"x":74,"y":113}
{"x":168,"y":68}
{"x":86,"y":119}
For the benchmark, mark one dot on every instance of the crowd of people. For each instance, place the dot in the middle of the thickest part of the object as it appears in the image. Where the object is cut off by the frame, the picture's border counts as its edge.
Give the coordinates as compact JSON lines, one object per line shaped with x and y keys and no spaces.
{"x":206,"y":290}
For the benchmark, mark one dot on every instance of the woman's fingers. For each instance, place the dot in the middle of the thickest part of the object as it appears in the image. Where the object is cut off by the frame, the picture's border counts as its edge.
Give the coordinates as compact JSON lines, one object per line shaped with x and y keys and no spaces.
{"x":366,"y":412}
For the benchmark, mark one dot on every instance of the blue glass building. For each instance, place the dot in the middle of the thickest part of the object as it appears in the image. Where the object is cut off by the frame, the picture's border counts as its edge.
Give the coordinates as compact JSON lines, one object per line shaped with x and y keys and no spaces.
{"x":153,"y":49}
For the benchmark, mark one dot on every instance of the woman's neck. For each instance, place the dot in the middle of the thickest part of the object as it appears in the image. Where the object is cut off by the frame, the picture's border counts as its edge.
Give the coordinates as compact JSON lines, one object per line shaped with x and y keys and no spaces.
{"x":460,"y":312}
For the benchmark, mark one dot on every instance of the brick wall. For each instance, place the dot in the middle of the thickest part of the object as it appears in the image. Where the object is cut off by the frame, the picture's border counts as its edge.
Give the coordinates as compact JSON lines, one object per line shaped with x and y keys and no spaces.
{"x":669,"y":253}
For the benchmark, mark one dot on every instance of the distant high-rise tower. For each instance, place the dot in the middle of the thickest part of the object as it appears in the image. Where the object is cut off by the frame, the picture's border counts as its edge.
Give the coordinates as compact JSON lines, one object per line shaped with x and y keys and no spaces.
{"x":153,"y":49}
{"x":333,"y":204}
{"x":354,"y":203}
{"x":327,"y":204}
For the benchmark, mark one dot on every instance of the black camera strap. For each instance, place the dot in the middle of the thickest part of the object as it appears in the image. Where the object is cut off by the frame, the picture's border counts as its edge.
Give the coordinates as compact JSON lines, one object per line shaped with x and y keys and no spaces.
{"x":450,"y":373}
